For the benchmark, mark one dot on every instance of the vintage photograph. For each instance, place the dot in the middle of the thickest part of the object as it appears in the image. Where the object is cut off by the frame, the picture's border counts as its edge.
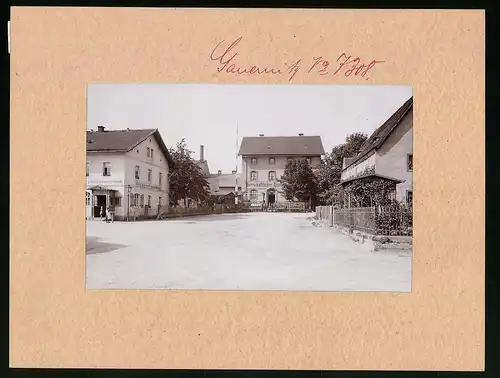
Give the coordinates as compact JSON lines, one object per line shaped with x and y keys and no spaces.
{"x":249,"y":187}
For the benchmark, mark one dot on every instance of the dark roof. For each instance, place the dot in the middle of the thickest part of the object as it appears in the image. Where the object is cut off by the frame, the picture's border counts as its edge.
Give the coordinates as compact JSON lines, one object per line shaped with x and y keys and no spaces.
{"x":373,"y":175}
{"x":203,"y":164}
{"x":282,"y":145}
{"x":123,"y":141}
{"x":380,"y":135}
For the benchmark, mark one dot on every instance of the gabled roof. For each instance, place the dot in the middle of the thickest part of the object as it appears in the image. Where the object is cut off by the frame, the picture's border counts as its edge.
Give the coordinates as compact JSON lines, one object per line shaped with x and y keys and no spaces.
{"x":374,"y":176}
{"x":379,"y":136}
{"x":282,"y":145}
{"x":203,"y":166}
{"x":124,"y":141}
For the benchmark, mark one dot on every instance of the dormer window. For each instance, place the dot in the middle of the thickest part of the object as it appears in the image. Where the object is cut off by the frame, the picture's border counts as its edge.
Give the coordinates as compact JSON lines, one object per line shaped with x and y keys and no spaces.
{"x":272,"y":160}
{"x":253,"y":161}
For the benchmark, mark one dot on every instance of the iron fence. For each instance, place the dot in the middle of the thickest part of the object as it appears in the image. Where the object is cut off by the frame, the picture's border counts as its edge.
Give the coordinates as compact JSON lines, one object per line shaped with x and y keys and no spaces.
{"x":360,"y":218}
{"x":390,"y":221}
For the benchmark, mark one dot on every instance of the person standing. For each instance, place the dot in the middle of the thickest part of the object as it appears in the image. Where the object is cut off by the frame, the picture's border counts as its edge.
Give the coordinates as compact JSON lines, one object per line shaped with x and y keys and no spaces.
{"x":107,"y":214}
{"x":112,"y":213}
{"x":103,"y":214}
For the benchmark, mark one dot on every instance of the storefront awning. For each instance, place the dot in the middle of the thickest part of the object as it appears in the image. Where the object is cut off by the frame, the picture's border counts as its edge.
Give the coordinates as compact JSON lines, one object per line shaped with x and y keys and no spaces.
{"x":98,"y":188}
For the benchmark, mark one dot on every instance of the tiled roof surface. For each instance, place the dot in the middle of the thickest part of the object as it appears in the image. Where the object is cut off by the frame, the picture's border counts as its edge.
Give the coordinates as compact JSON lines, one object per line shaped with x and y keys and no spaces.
{"x":123,"y":140}
{"x":227,"y":180}
{"x":282,"y":145}
{"x":380,"y":135}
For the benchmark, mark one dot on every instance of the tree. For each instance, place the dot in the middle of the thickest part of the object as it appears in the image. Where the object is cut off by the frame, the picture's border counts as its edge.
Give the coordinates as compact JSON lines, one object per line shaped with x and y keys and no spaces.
{"x":298,"y":181}
{"x":187,"y":180}
{"x":329,"y":172}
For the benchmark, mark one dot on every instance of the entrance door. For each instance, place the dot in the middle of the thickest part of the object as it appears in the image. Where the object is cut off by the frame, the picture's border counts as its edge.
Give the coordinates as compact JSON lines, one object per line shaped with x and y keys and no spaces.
{"x":271,"y":197}
{"x":100,"y":201}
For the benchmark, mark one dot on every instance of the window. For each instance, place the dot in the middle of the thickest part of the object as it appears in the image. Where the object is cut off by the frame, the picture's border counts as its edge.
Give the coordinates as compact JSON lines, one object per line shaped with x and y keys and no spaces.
{"x":142,"y":200}
{"x":106,"y":169}
{"x":272,"y":161}
{"x":272,"y":175}
{"x":149,"y":202}
{"x":87,"y":199}
{"x":159,"y":179}
{"x":116,"y":201}
{"x":289,"y":160}
{"x":152,"y":154}
{"x":409,"y":197}
{"x":159,"y":201}
{"x":136,"y":199}
{"x":409,"y":162}
{"x":253,"y":161}
{"x":308,"y":161}
{"x":137,"y":172}
{"x":253,"y":175}
{"x":148,"y":151}
{"x":149,"y":175}
{"x":87,"y":169}
{"x":253,"y":194}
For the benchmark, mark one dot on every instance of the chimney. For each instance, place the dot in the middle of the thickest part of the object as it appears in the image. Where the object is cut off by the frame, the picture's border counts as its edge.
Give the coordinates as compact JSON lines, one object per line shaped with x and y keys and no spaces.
{"x":202,"y":153}
{"x":100,"y":128}
{"x":219,"y":172}
{"x":301,"y":134}
{"x":233,"y":172}
{"x":261,"y":134}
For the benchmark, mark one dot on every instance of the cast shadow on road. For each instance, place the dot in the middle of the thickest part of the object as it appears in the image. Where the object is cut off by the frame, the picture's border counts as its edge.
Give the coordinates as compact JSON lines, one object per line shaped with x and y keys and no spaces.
{"x":94,"y":246}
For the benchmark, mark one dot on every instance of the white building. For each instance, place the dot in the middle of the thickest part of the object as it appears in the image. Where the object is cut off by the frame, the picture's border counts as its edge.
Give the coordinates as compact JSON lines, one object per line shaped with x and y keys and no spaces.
{"x":387,"y":155}
{"x":127,"y":169}
{"x":264,"y":161}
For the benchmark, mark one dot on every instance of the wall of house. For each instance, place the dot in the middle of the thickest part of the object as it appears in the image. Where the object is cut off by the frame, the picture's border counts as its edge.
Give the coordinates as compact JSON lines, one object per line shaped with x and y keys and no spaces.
{"x":123,"y":174}
{"x":358,"y":168}
{"x":262,"y":184}
{"x":391,"y":159}
{"x":115,"y":181}
{"x":158,"y":164}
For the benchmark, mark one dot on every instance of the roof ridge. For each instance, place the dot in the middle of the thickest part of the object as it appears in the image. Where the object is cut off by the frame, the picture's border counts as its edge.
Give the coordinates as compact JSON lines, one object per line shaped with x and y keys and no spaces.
{"x":372,"y":143}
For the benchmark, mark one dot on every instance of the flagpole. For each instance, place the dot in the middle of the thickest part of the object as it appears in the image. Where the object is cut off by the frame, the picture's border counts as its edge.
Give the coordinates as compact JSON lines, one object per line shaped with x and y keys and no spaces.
{"x":236,"y":175}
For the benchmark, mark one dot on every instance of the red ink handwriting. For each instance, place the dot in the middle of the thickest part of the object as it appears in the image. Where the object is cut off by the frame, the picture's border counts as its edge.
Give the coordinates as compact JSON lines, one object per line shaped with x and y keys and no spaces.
{"x":228,"y":65}
{"x":346,"y":65}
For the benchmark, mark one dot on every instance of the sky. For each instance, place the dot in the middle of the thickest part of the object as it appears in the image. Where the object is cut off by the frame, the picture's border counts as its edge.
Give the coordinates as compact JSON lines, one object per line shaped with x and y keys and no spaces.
{"x":219,"y":115}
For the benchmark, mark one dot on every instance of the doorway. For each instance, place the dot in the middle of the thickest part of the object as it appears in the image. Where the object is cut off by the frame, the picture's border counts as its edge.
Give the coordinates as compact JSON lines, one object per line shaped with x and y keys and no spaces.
{"x":271,"y":197}
{"x":100,"y":200}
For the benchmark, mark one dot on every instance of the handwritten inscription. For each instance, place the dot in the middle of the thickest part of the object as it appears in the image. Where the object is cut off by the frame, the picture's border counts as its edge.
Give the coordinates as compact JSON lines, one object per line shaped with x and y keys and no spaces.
{"x":226,"y":57}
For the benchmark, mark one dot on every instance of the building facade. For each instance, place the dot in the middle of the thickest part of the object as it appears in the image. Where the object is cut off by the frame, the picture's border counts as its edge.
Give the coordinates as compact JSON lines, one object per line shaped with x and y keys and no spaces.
{"x":128,"y":169}
{"x":387,"y":155}
{"x":264,"y":160}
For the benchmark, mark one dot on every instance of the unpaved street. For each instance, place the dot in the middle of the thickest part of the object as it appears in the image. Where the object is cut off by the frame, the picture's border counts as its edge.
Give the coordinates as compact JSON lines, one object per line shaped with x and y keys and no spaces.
{"x":253,"y":251}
